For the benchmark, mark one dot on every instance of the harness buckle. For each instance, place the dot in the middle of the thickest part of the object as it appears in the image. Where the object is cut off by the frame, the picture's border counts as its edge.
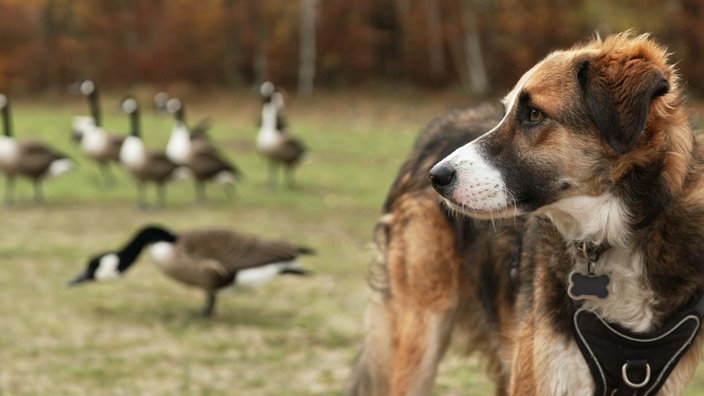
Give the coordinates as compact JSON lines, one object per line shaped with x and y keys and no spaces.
{"x":635,"y":364}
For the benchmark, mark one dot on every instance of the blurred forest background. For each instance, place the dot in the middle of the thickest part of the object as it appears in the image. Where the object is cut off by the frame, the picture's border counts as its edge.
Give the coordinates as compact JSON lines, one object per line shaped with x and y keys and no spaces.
{"x":482,"y":45}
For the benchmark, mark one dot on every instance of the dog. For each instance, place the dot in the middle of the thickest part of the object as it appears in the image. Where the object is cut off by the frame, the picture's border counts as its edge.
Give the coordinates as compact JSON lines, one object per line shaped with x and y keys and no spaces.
{"x":567,"y":242}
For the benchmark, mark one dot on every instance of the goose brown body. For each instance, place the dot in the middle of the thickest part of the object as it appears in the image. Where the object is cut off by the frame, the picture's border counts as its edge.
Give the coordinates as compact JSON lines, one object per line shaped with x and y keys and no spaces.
{"x":210,"y":259}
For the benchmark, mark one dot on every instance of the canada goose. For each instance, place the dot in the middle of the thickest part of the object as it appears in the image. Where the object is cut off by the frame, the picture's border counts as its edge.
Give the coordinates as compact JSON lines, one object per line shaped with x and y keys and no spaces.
{"x":197,"y":153}
{"x":145,"y":165}
{"x":96,"y":143}
{"x":278,"y":144}
{"x":210,"y":259}
{"x":28,"y":158}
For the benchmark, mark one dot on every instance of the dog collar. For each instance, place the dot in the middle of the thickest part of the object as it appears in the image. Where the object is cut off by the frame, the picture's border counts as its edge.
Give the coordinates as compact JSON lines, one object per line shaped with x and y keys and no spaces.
{"x":591,"y":251}
{"x":623,"y":362}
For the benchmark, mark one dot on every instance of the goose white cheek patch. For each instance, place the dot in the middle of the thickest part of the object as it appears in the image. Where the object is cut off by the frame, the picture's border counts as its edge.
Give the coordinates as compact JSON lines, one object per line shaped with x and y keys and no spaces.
{"x":107,"y":268}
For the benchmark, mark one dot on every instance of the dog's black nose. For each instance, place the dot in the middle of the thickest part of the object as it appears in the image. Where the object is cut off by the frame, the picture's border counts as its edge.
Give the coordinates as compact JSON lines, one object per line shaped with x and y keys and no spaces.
{"x":441,"y":177}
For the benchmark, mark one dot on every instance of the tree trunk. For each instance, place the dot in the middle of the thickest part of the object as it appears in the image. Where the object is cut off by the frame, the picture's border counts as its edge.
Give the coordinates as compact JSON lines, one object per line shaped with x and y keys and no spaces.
{"x":306,"y":68}
{"x":435,"y":47}
{"x":261,"y":33}
{"x":468,"y":55}
{"x":131,"y":40}
{"x":233,"y":50}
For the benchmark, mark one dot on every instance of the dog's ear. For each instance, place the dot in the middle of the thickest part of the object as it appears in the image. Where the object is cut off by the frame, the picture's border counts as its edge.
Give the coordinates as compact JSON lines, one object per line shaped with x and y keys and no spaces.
{"x":618,"y":95}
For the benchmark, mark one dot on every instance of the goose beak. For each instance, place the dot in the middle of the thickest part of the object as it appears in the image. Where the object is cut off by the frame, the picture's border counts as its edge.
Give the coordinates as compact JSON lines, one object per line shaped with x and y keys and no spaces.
{"x":80,"y":278}
{"x":296,"y":271}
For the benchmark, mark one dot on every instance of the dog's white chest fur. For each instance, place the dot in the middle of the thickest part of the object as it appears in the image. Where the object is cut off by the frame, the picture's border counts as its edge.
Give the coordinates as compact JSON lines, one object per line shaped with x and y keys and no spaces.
{"x":604,"y":219}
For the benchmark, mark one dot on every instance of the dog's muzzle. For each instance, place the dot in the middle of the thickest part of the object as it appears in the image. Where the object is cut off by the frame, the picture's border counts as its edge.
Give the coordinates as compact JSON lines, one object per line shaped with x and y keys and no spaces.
{"x":443,"y":178}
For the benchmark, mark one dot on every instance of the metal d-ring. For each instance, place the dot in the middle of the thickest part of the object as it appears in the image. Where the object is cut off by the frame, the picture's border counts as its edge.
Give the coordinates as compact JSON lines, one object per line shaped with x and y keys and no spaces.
{"x":624,"y":375}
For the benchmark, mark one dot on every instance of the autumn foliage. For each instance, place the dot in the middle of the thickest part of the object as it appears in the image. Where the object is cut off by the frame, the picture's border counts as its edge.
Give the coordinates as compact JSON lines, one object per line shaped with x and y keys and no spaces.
{"x":231,"y":43}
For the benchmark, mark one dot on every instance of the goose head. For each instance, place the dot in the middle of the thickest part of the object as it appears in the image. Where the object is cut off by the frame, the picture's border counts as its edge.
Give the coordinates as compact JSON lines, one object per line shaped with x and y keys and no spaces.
{"x":277,"y":99}
{"x":160,"y":101}
{"x":266,"y":90}
{"x":175,"y":107}
{"x":102,"y":267}
{"x":84,"y":87}
{"x":87,"y":87}
{"x":113,"y":264}
{"x":129,"y":105}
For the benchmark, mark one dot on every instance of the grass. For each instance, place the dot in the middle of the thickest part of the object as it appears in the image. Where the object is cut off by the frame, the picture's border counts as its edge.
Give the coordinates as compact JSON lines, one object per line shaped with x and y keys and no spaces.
{"x":142,"y":335}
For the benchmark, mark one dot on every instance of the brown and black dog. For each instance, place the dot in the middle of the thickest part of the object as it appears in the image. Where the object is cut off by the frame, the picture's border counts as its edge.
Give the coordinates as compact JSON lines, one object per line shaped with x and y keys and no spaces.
{"x":593,"y":282}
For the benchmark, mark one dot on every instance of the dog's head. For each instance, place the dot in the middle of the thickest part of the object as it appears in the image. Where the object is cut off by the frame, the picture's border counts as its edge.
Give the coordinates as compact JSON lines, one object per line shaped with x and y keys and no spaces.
{"x":571,"y":124}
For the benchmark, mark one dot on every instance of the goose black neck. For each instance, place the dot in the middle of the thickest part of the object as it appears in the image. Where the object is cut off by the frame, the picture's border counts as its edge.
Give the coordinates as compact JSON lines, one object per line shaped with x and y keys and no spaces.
{"x":180,"y":114}
{"x":134,"y":123}
{"x":7,"y":120}
{"x":94,"y":102}
{"x":146,"y":236}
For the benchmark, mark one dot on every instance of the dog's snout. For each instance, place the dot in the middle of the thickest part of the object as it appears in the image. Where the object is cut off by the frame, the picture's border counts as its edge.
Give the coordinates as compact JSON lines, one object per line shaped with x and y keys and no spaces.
{"x":442,"y":177}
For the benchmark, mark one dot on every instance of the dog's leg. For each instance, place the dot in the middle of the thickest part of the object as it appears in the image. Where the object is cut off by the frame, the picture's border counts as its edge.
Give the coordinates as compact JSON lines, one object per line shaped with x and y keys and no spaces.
{"x":371,"y":374}
{"x":523,"y":378}
{"x":410,"y":318}
{"x":372,"y":370}
{"x":424,"y":270}
{"x":421,"y":339}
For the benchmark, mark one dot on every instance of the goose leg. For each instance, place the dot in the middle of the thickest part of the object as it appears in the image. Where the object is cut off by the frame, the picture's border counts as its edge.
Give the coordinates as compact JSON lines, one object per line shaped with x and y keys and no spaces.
{"x":161,"y":191}
{"x":141,"y":200}
{"x":9,"y":189}
{"x":290,"y":177}
{"x":272,"y":174}
{"x":209,"y":306}
{"x":229,"y":191}
{"x":200,"y":191}
{"x":38,"y":196}
{"x":109,"y":178}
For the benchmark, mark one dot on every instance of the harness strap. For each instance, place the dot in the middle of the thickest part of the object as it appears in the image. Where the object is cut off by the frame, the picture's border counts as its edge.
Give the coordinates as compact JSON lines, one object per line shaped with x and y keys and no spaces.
{"x":624,"y":363}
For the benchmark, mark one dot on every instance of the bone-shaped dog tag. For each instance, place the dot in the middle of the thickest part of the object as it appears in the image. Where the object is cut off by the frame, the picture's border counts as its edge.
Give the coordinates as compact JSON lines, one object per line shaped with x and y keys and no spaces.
{"x":588,"y":286}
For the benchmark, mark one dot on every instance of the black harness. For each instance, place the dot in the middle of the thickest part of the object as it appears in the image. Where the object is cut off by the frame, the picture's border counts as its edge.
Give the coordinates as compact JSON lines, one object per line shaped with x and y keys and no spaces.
{"x":620,"y":361}
{"x":624,"y":363}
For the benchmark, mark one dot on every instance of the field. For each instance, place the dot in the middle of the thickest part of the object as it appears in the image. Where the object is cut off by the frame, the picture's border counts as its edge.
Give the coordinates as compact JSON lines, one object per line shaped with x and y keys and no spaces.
{"x":142,"y":335}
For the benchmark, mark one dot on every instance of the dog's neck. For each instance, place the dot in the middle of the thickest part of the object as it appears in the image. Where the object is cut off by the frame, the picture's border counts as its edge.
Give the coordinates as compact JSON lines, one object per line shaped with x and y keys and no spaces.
{"x":603,"y":223}
{"x":596,"y":220}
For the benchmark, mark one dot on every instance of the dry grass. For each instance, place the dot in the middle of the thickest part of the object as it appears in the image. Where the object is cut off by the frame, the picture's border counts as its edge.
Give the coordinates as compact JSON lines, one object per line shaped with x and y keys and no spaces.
{"x":142,"y":335}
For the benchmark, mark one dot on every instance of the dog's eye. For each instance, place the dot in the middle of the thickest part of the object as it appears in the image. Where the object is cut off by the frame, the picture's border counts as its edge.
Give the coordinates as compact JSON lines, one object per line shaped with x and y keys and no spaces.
{"x":535,"y":116}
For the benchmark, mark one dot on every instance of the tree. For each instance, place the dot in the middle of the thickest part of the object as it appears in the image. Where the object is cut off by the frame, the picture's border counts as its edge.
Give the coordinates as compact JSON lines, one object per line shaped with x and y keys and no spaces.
{"x":467,"y":51}
{"x":306,"y":68}
{"x":436,"y":53}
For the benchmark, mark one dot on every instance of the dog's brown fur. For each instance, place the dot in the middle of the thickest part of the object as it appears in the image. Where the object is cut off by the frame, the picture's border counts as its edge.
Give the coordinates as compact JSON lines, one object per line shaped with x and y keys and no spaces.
{"x":504,"y":283}
{"x":427,"y":273}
